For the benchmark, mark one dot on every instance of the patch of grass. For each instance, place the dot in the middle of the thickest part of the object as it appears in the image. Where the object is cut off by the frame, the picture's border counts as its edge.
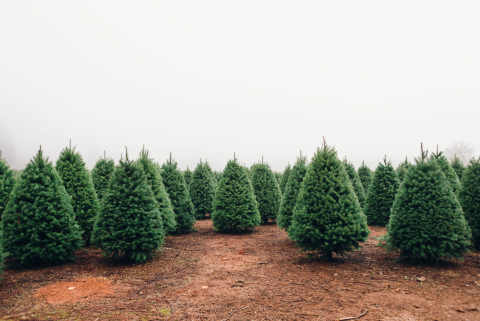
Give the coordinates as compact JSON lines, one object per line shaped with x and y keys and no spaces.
{"x":165,"y":311}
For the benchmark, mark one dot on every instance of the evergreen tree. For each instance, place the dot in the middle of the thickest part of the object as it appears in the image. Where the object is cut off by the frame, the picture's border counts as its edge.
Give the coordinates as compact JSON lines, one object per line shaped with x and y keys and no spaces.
{"x":458,"y":167}
{"x":2,"y":256}
{"x":267,"y":193}
{"x":218,"y":176}
{"x":447,"y":169}
{"x":285,"y":177}
{"x":101,"y":173}
{"x":278,"y":177}
{"x":39,"y":223}
{"x":155,"y":182}
{"x":234,"y":207}
{"x":129,"y":222}
{"x":381,"y":194}
{"x":402,"y":169}
{"x":365,"y":175}
{"x":469,"y":197}
{"x":187,"y":176}
{"x":327,"y":218}
{"x":292,"y":190}
{"x":202,"y":190}
{"x":427,"y":221}
{"x":77,"y":181}
{"x":178,"y":192}
{"x":7,"y":180}
{"x":356,"y":183}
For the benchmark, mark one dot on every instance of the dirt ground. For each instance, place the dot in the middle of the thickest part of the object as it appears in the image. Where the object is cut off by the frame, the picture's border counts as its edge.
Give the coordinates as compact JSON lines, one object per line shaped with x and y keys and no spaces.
{"x":256,"y":276}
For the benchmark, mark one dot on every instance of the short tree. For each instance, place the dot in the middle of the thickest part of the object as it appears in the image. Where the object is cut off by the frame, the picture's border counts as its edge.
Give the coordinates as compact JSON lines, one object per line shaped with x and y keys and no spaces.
{"x":365,"y":175}
{"x":469,"y":197}
{"x":402,"y":169}
{"x":7,"y":181}
{"x":278,"y":177}
{"x":458,"y":167}
{"x":39,"y":223}
{"x":267,"y":193}
{"x":356,"y":183}
{"x":202,"y":190}
{"x":447,"y":169}
{"x":327,"y":218}
{"x":101,"y":173}
{"x":284,"y":178}
{"x":187,"y":176}
{"x":234,"y":207}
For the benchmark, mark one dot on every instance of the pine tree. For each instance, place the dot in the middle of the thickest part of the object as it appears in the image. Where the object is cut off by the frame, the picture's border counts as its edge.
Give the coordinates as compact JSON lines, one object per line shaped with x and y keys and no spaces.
{"x":381,"y":194}
{"x":234,"y":207}
{"x":77,"y":181}
{"x":129,"y":222}
{"x":202,"y":190}
{"x":39,"y":223}
{"x":218,"y":176}
{"x":289,"y":200}
{"x":458,"y":167}
{"x":7,"y":181}
{"x":447,"y":169}
{"x":285,"y":177}
{"x":187,"y":176}
{"x":365,"y":175}
{"x":469,"y":197}
{"x":328,"y":218}
{"x":267,"y":193}
{"x":278,"y":177}
{"x":402,"y":169}
{"x":178,"y":192}
{"x":356,"y":183}
{"x":155,"y":182}
{"x":101,"y":173}
{"x":427,"y":221}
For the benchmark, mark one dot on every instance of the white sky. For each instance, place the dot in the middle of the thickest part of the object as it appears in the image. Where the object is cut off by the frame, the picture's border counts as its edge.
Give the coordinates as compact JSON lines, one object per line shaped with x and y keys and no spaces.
{"x":204,"y":79}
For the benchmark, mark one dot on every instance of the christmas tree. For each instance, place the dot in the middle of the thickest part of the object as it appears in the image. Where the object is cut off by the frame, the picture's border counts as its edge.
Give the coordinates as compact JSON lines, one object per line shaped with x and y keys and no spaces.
{"x":292,"y":190}
{"x":39,"y":223}
{"x":402,"y":169}
{"x":129,"y":222}
{"x":178,"y":192}
{"x":101,"y":173}
{"x":7,"y":181}
{"x":218,"y":176}
{"x":77,"y":181}
{"x":381,"y":194}
{"x":155,"y":182}
{"x":356,"y":183}
{"x":278,"y":177}
{"x":285,"y":177}
{"x":267,"y":193}
{"x":469,"y":197}
{"x":427,"y":221}
{"x":202,"y":190}
{"x":327,"y":218}
{"x":458,"y":167}
{"x":187,"y":176}
{"x":234,"y":206}
{"x":447,"y":169}
{"x":365,"y":175}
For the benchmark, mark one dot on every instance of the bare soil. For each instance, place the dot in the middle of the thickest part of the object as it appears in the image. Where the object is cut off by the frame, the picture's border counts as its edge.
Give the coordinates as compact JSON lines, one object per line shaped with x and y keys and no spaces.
{"x":254,"y":276}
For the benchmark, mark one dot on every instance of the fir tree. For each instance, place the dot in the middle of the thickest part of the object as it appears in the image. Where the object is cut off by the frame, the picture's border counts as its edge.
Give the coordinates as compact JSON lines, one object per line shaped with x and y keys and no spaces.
{"x":39,"y":223}
{"x":402,"y":169}
{"x":285,"y":177}
{"x":278,"y":177}
{"x":187,"y":176}
{"x":218,"y":176}
{"x":381,"y":194}
{"x":78,"y":183}
{"x":328,"y":218}
{"x":458,"y":167}
{"x":155,"y":182}
{"x":365,"y":175}
{"x":292,"y":190}
{"x":267,"y":193}
{"x":234,"y":207}
{"x":101,"y":173}
{"x":469,"y":197}
{"x":427,"y":221}
{"x":7,"y":180}
{"x":447,"y":169}
{"x":202,"y":190}
{"x":178,"y":192}
{"x":356,"y":183}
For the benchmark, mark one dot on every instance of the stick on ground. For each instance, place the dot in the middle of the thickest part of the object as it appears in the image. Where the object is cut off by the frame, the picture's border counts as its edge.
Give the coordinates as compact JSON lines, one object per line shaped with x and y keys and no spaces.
{"x":353,"y":318}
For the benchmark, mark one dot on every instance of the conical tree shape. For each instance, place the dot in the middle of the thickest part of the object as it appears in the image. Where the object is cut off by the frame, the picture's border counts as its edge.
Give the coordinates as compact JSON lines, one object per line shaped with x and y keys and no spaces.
{"x":447,"y":169}
{"x":365,"y":175}
{"x":285,"y":177}
{"x":289,"y":200}
{"x":129,"y":222}
{"x":235,"y":208}
{"x":187,"y":176}
{"x":402,"y":169}
{"x":458,"y":167}
{"x":356,"y":183}
{"x":212,"y":176}
{"x":218,"y":176}
{"x":155,"y":182}
{"x":202,"y":190}
{"x":427,"y":221}
{"x":39,"y":223}
{"x":178,"y":192}
{"x":469,"y":197}
{"x":78,"y":183}
{"x":278,"y":177}
{"x":7,"y":181}
{"x":267,"y":193}
{"x":328,"y":218}
{"x":101,"y":174}
{"x":381,"y":194}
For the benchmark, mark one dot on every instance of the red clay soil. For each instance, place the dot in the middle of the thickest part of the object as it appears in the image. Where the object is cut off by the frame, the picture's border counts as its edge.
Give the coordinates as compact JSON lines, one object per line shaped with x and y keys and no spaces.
{"x":254,"y":276}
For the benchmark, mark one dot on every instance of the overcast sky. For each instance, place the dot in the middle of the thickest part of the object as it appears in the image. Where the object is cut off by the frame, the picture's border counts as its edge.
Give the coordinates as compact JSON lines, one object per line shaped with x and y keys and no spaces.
{"x":204,"y":79}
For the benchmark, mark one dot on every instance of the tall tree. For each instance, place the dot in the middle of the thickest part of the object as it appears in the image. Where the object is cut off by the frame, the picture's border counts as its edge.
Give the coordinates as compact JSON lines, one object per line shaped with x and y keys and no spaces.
{"x":458,"y":167}
{"x":7,"y":181}
{"x":187,"y":176}
{"x":447,"y":169}
{"x":469,"y":197}
{"x":356,"y":183}
{"x":202,"y":190}
{"x":101,"y":173}
{"x":365,"y":175}
{"x":267,"y":192}
{"x":285,"y":177}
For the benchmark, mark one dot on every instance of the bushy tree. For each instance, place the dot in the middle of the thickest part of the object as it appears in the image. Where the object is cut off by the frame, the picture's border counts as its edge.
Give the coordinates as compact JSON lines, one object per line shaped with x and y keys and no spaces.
{"x":458,"y":167}
{"x":187,"y":176}
{"x":129,"y":222}
{"x":365,"y":175}
{"x":155,"y":182}
{"x":381,"y":194}
{"x":78,"y":183}
{"x":278,"y":177}
{"x":7,"y":180}
{"x":218,"y":176}
{"x":39,"y":222}
{"x":267,"y":193}
{"x":356,"y":183}
{"x":289,"y":200}
{"x":101,"y":173}
{"x":178,"y":192}
{"x":285,"y":177}
{"x":402,"y":169}
{"x":469,"y":197}
{"x":427,"y":221}
{"x":327,"y":218}
{"x":447,"y":169}
{"x":202,"y":190}
{"x":234,"y":207}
